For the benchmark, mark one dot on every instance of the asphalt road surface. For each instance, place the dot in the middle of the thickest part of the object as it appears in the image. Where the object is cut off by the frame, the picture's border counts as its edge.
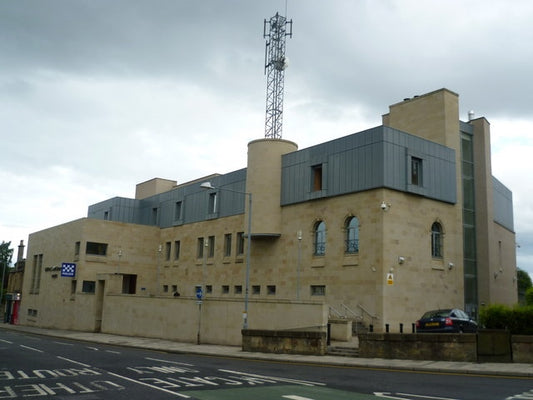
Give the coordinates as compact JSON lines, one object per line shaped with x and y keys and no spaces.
{"x":44,"y":367}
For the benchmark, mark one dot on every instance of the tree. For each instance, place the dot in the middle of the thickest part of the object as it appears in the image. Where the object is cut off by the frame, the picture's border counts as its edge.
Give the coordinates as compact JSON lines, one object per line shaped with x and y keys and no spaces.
{"x":6,"y":254}
{"x":523,"y":284}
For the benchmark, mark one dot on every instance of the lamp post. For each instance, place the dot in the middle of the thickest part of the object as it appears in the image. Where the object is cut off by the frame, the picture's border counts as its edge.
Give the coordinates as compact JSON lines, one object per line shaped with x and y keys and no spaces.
{"x":207,"y":185}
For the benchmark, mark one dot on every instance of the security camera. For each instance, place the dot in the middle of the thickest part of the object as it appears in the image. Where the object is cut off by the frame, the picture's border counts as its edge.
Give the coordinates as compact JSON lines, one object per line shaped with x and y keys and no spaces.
{"x":383,"y":206}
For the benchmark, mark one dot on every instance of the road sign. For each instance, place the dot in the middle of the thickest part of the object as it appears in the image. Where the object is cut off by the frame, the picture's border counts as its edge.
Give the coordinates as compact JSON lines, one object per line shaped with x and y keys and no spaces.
{"x":68,"y":270}
{"x":199,"y":293}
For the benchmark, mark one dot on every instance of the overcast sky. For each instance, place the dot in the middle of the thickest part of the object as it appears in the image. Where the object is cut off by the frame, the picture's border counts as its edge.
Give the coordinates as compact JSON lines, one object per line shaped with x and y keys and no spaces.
{"x":99,"y":95}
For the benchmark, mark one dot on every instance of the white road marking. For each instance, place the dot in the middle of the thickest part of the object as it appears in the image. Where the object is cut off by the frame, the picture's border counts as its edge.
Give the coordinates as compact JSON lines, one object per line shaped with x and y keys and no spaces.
{"x":64,"y":344}
{"x":92,"y":348}
{"x":6,"y":341}
{"x":295,"y":381}
{"x":112,"y":352}
{"x":170,"y":362}
{"x":150,"y":386}
{"x":31,"y":348}
{"x":294,"y":397}
{"x":74,"y":362}
{"x":426,"y":397}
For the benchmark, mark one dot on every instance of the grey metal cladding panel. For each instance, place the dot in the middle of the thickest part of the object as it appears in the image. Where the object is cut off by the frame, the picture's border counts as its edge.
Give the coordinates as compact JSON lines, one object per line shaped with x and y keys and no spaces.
{"x":354,"y":163}
{"x":503,"y":204}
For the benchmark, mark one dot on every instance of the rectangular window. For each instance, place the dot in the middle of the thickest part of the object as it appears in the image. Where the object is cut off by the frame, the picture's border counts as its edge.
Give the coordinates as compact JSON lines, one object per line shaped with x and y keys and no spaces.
{"x":237,"y":289}
{"x":36,"y":273}
{"x":177,"y":210}
{"x":317,"y":177}
{"x":77,"y":248}
{"x":174,"y":288}
{"x":177,"y":245}
{"x":271,"y":289}
{"x":212,"y":208}
{"x":211,"y":245}
{"x":227,"y":245}
{"x":240,"y":243}
{"x":73,"y":286}
{"x":88,"y":287}
{"x":155,"y":216}
{"x":96,"y":249}
{"x":209,"y":289}
{"x":106,"y":215}
{"x":256,"y":289}
{"x":129,"y":283}
{"x":168,"y":247}
{"x":318,"y":290}
{"x":165,"y":288}
{"x":416,"y":171}
{"x":225,"y":289}
{"x":200,"y":248}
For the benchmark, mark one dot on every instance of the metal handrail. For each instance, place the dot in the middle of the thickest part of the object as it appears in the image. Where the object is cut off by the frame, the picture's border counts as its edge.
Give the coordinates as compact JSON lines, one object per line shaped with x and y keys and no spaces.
{"x":346,"y":308}
{"x":372,"y":317}
{"x":336,"y":312}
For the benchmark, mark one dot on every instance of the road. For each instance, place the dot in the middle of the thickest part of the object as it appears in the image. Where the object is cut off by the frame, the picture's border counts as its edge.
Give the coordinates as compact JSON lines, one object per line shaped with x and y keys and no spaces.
{"x":43,"y":367}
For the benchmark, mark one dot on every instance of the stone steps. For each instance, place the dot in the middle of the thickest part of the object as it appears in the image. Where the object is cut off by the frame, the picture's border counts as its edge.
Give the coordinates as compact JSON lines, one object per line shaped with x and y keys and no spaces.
{"x":343,"y":351}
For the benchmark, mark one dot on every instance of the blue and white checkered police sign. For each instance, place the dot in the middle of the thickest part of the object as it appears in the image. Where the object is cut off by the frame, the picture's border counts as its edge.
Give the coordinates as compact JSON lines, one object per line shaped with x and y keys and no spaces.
{"x":68,"y":270}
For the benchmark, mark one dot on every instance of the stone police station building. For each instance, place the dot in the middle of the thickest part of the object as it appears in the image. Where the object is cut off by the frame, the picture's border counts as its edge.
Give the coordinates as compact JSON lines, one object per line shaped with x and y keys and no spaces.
{"x":376,"y":227}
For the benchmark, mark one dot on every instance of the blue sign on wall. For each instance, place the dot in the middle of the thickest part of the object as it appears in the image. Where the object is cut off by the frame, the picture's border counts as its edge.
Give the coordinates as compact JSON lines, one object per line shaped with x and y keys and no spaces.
{"x":68,"y":270}
{"x":199,"y":292}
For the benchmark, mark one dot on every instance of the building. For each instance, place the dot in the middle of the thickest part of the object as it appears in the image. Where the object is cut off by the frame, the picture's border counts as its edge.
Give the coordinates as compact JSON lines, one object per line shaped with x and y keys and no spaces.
{"x":377,"y":226}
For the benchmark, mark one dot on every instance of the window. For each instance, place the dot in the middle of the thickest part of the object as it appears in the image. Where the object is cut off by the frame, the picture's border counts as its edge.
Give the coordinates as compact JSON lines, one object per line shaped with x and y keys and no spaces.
{"x":208,"y":289}
{"x":36,"y":273}
{"x":165,"y":288}
{"x":227,"y":245}
{"x":436,"y":240}
{"x":77,"y":248}
{"x":237,"y":289}
{"x":168,"y":247}
{"x":212,"y":206}
{"x":416,"y":171}
{"x":200,"y":248}
{"x":320,"y":239}
{"x":318,"y":290}
{"x":177,"y":210}
{"x":73,"y":286}
{"x":155,"y":216}
{"x":271,"y":290}
{"x":96,"y":249}
{"x":174,"y":288}
{"x":352,"y":235}
{"x":88,"y":287}
{"x":177,"y":246}
{"x":225,"y":289}
{"x":129,"y":283}
{"x":240,"y":243}
{"x":106,"y":215}
{"x":256,"y":289}
{"x":211,"y":247}
{"x":316,"y":172}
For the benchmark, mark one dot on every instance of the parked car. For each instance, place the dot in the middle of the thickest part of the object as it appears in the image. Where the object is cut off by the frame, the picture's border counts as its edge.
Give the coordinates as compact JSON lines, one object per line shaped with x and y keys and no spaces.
{"x":446,"y":320}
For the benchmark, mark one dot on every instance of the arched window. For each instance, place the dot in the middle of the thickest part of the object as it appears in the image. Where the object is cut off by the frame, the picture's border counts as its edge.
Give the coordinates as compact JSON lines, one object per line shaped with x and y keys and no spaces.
{"x":352,"y":235}
{"x":436,"y":240}
{"x":320,"y":238}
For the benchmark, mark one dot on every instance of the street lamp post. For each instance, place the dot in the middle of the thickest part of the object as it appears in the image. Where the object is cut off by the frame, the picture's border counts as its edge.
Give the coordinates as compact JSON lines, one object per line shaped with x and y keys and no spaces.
{"x":207,"y":185}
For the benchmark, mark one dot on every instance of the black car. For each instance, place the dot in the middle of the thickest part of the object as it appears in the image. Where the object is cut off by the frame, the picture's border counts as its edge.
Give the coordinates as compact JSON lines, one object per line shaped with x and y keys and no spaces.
{"x":446,"y":320}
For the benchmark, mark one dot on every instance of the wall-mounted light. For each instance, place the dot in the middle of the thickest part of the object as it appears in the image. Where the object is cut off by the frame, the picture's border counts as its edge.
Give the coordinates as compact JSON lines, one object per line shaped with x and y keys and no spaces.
{"x":385,"y":206}
{"x":451,"y":265}
{"x":495,"y":275}
{"x":401,"y":260}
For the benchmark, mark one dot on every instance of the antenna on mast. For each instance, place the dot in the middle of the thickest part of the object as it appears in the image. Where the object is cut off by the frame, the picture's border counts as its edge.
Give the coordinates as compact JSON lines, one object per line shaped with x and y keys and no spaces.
{"x":274,"y":31}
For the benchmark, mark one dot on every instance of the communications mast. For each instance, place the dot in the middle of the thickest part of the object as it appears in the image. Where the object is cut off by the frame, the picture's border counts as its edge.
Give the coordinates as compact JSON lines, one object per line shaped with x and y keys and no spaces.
{"x":275,"y":31}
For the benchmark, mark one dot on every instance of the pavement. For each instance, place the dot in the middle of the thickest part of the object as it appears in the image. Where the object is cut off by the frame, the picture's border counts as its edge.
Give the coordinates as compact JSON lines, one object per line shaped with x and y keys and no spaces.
{"x":451,"y":367}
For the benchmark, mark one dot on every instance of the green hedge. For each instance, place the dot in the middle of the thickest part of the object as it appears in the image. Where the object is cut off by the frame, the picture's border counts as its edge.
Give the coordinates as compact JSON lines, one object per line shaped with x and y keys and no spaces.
{"x":517,"y":319}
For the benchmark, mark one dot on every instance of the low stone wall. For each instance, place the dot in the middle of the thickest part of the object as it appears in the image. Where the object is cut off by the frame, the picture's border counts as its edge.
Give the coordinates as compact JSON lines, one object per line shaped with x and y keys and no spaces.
{"x":522,"y":347}
{"x":443,"y":347}
{"x":284,"y":342}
